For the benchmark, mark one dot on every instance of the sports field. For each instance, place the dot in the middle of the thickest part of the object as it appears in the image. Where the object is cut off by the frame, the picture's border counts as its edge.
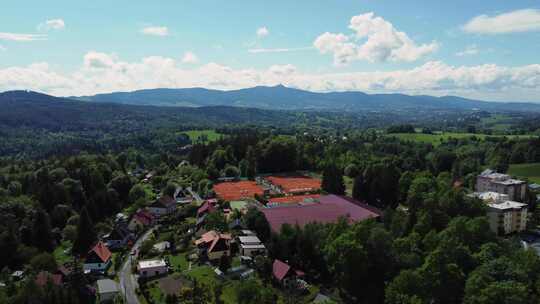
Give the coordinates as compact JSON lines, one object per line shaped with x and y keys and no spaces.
{"x":529,"y":171}
{"x":437,"y":138}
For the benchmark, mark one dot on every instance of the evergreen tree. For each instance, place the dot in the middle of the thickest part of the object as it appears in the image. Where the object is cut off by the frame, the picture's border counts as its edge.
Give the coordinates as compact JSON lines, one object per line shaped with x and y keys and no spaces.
{"x":86,"y":235}
{"x":332,"y":181}
{"x":41,"y":231}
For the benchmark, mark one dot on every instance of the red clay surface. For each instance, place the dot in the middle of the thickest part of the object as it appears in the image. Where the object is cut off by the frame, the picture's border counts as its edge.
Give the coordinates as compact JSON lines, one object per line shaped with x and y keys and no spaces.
{"x":295,"y":184}
{"x":231,"y":191}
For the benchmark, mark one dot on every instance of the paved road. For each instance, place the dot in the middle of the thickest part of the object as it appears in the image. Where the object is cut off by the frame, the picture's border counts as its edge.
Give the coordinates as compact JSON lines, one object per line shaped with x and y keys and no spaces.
{"x":128,"y":283}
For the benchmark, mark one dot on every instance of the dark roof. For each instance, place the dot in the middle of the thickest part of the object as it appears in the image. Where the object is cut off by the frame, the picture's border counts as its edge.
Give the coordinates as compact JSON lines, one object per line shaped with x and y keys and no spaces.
{"x":329,"y":209}
{"x":164,"y":202}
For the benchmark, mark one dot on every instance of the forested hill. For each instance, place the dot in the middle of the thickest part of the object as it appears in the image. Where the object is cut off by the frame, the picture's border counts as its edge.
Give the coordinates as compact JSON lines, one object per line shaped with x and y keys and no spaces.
{"x":281,"y":97}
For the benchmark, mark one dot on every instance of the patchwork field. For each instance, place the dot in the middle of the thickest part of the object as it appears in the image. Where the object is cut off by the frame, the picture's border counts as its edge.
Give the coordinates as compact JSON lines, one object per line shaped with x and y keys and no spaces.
{"x":437,"y":138}
{"x":529,"y":171}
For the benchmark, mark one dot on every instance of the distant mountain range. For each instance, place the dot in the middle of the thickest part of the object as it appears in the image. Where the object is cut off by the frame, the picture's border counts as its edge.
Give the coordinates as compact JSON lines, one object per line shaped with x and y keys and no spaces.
{"x":281,"y":97}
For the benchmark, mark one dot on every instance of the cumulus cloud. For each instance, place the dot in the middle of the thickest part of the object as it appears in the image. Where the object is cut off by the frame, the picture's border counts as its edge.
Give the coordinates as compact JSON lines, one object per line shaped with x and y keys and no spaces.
{"x":21,"y":37}
{"x":160,"y":31}
{"x":102,"y":72}
{"x":52,"y":24}
{"x":469,"y":51}
{"x":525,"y":20}
{"x":190,"y":58}
{"x":374,"y":40}
{"x":262,"y":32}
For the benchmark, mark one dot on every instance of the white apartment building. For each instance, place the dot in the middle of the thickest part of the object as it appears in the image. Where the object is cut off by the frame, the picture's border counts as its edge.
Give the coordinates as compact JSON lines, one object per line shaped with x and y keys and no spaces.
{"x":507,"y":217}
{"x":491,"y":181}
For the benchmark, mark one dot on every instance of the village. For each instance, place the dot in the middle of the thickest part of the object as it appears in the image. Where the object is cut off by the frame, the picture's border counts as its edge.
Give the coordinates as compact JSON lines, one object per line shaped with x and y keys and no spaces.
{"x":182,"y":245}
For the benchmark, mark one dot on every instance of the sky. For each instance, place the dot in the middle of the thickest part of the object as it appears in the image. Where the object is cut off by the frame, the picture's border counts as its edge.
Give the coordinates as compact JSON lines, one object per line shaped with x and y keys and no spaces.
{"x":480,"y":49}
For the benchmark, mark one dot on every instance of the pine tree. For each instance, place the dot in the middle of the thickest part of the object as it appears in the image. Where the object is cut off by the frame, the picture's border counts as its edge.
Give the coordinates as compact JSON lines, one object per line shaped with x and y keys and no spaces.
{"x":86,"y":235}
{"x":332,"y":181}
{"x":41,"y":231}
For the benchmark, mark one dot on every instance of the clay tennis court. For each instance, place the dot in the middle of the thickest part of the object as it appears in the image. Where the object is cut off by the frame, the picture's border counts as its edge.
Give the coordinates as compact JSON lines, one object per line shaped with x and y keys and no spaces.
{"x":231,"y":191}
{"x":295,"y":184}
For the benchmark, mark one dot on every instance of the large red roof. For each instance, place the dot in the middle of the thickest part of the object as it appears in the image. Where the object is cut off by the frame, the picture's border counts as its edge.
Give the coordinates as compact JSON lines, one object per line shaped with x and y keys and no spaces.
{"x":102,"y":251}
{"x":295,"y":184}
{"x":231,"y":191}
{"x":329,"y":209}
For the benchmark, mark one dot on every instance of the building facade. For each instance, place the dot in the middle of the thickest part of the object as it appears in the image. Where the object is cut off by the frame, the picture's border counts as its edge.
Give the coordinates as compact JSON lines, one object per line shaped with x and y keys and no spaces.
{"x":491,"y":181}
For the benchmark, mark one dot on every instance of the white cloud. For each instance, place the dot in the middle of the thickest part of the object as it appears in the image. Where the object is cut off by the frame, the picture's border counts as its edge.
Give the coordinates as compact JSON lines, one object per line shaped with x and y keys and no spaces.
{"x":374,"y":40}
{"x":190,"y":58}
{"x":21,"y":37}
{"x":278,"y":50}
{"x":155,"y":31}
{"x":469,"y":51}
{"x":52,"y":24}
{"x":525,"y":20}
{"x":262,"y":32}
{"x":101,"y":72}
{"x":2,"y":48}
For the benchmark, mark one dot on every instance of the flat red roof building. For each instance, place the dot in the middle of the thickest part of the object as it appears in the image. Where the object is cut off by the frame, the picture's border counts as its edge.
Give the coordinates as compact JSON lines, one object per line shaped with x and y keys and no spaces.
{"x":329,"y":209}
{"x":295,"y":184}
{"x":231,"y":191}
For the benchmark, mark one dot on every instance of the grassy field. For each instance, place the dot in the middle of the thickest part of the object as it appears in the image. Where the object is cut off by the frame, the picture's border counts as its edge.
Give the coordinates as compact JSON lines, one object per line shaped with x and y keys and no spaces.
{"x":437,"y":138}
{"x":203,"y":135}
{"x":529,"y":171}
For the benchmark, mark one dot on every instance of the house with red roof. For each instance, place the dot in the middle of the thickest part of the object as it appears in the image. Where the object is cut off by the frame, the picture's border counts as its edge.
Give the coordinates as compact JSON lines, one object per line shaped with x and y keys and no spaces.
{"x":44,"y":277}
{"x":206,"y":208}
{"x":140,"y":220}
{"x":329,"y":209}
{"x":285,"y":274}
{"x":214,"y":245}
{"x":165,"y":205}
{"x":98,"y":259}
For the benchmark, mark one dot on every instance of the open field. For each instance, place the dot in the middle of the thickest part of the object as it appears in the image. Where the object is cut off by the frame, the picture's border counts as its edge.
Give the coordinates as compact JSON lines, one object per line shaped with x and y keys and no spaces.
{"x":529,"y":171}
{"x":203,"y":135}
{"x":436,"y":138}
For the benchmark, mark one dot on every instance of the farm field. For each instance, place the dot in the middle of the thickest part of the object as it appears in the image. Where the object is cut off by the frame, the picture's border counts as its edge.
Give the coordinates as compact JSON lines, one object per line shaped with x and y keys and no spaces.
{"x":529,"y":171}
{"x":436,"y":138}
{"x":203,"y":135}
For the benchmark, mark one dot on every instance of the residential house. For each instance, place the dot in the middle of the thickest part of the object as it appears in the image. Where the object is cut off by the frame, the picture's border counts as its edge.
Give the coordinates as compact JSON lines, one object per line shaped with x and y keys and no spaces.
{"x":491,"y":181}
{"x":206,"y":208}
{"x":285,"y":274}
{"x":214,"y":245}
{"x":140,"y":220}
{"x":165,"y":205}
{"x":44,"y":277}
{"x":118,"y":238}
{"x":251,"y":246}
{"x":107,"y":290}
{"x":98,"y":258}
{"x":152,"y":268}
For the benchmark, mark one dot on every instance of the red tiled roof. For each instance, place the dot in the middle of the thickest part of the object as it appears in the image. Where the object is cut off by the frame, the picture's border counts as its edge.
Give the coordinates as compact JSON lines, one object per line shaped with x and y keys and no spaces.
{"x":102,"y":251}
{"x":144,"y":217}
{"x":281,"y":269}
{"x":211,"y":238}
{"x":295,"y":184}
{"x":206,"y":207}
{"x":329,"y":209}
{"x":230,"y":191}
{"x":43,"y":277}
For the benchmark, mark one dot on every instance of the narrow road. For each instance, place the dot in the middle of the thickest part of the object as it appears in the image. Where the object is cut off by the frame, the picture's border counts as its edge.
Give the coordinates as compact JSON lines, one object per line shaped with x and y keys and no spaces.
{"x":128,"y":283}
{"x":194,"y":194}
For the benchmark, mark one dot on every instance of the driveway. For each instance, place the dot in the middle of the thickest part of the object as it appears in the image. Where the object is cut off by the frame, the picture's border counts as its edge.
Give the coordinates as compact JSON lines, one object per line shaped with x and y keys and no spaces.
{"x":128,"y":282}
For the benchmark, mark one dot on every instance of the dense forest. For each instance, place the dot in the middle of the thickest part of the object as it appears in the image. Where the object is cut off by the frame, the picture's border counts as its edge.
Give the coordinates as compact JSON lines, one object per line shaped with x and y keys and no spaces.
{"x":432,"y":246}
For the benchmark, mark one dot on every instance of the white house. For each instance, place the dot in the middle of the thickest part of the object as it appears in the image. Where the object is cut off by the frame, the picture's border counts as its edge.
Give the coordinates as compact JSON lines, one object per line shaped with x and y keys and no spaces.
{"x":251,"y":246}
{"x":107,"y":290}
{"x":152,"y":268}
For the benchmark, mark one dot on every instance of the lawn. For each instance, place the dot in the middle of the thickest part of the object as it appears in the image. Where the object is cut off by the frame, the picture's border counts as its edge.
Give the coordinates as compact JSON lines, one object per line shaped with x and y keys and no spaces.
{"x":437,"y":138}
{"x":529,"y":171}
{"x":203,"y":135}
{"x":60,"y":256}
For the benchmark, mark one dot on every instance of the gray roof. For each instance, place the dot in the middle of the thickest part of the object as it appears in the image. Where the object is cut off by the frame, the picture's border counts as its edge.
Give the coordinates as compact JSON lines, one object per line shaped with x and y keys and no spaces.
{"x":107,"y":286}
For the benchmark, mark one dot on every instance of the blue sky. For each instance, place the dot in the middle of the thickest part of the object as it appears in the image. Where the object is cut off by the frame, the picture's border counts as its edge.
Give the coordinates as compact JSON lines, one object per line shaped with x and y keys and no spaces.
{"x":481,"y":49}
